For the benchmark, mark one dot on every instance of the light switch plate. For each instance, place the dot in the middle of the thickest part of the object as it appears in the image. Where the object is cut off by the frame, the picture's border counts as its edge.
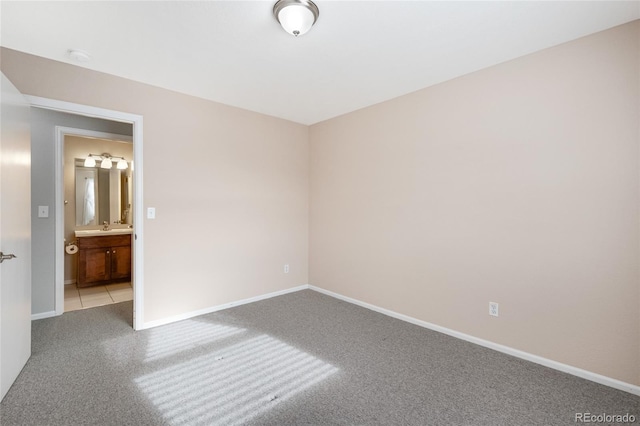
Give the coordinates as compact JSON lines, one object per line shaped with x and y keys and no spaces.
{"x":151,"y":212}
{"x":43,"y":211}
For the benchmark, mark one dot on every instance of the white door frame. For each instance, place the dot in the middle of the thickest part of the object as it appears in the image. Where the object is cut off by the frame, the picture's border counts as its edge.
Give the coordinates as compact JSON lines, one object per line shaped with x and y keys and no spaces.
{"x":138,"y":217}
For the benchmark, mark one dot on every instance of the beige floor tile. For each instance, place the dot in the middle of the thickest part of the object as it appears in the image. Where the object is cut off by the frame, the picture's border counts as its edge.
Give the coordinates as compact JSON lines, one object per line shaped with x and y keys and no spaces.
{"x":71,"y":300}
{"x":103,"y":295}
{"x":118,"y":286}
{"x":89,"y":297}
{"x":71,"y":296}
{"x":122,"y":295}
{"x":98,"y":289}
{"x":72,"y":305}
{"x":96,"y":300}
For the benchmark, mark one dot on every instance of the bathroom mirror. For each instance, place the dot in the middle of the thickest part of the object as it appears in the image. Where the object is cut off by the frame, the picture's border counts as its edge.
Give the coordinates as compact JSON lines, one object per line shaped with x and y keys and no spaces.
{"x":102,"y":195}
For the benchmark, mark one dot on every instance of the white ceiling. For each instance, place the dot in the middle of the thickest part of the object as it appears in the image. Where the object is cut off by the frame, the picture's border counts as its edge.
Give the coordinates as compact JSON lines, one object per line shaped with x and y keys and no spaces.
{"x":359,"y":52}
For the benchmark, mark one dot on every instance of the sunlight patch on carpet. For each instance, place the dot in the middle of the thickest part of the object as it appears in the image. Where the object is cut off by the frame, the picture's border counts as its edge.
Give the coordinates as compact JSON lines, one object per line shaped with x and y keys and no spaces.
{"x":232,"y":385}
{"x":185,"y":335}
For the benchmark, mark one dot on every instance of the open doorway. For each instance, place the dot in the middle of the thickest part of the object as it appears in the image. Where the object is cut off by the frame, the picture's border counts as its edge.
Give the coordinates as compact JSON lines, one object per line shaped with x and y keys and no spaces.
{"x":55,"y":250}
{"x":98,"y":220}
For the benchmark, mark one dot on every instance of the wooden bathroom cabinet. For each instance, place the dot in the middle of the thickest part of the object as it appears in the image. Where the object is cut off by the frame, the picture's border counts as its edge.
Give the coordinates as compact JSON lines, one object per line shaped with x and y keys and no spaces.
{"x":104,"y":259}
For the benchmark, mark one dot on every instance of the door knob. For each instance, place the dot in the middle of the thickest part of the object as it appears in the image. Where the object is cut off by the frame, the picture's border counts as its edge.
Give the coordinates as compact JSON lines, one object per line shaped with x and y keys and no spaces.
{"x":4,"y":257}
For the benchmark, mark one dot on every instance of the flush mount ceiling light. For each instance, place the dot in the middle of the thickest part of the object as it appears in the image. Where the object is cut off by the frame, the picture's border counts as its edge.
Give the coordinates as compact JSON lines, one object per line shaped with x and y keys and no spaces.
{"x":296,"y":16}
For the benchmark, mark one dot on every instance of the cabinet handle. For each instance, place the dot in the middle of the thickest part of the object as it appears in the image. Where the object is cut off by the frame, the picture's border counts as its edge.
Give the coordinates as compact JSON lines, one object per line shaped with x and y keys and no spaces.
{"x":114,"y":252}
{"x":108,"y":252}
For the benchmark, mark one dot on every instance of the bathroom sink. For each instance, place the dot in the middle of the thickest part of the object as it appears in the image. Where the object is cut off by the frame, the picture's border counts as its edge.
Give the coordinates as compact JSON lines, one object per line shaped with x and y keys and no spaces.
{"x":100,"y":232}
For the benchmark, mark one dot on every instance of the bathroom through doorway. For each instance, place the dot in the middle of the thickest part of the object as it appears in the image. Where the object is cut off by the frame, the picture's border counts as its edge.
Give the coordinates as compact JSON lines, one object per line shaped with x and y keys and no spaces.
{"x":98,"y":218}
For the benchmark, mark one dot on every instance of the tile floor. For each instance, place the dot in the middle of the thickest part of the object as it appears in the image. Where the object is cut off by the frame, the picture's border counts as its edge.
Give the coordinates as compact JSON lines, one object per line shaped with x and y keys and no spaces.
{"x":89,"y":297}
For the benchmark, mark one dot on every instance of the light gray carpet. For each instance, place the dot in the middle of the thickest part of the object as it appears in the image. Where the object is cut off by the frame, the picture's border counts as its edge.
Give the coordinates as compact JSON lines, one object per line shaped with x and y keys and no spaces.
{"x":299,"y":359}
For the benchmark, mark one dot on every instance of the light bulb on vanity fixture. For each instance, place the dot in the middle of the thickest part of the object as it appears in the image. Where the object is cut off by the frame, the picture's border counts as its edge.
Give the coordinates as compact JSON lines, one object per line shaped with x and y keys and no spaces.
{"x":296,"y":16}
{"x":90,"y":161}
{"x":106,"y":163}
{"x":122,"y":164}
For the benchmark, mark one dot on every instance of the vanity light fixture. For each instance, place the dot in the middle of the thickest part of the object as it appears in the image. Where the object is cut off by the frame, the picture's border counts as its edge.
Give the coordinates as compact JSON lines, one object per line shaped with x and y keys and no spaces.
{"x":106,"y":161}
{"x":296,"y":16}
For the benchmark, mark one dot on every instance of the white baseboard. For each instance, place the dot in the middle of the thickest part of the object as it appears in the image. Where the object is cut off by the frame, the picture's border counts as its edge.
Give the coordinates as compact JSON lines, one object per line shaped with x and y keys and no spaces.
{"x":69,"y":282}
{"x":43,"y":315}
{"x":575,"y":371}
{"x":205,"y":311}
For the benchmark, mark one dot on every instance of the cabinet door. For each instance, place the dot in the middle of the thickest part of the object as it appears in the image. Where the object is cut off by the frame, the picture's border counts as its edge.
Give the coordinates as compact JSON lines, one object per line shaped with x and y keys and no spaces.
{"x":120,"y":262}
{"x":97,"y":265}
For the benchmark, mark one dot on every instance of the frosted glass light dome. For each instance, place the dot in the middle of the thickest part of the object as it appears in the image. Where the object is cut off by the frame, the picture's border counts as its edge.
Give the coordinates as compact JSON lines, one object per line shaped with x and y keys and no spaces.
{"x":106,"y":164}
{"x":90,"y":161}
{"x":122,"y":164}
{"x":296,"y":16}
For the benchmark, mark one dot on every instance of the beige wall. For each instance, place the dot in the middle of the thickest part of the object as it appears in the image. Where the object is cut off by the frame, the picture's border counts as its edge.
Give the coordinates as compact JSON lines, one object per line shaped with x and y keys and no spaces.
{"x":76,"y":147}
{"x":517,"y":184}
{"x":230,"y":187}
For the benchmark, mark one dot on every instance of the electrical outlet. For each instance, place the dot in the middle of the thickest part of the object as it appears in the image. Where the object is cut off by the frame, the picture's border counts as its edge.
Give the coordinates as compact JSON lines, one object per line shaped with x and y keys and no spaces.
{"x":493,"y":309}
{"x":286,"y":268}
